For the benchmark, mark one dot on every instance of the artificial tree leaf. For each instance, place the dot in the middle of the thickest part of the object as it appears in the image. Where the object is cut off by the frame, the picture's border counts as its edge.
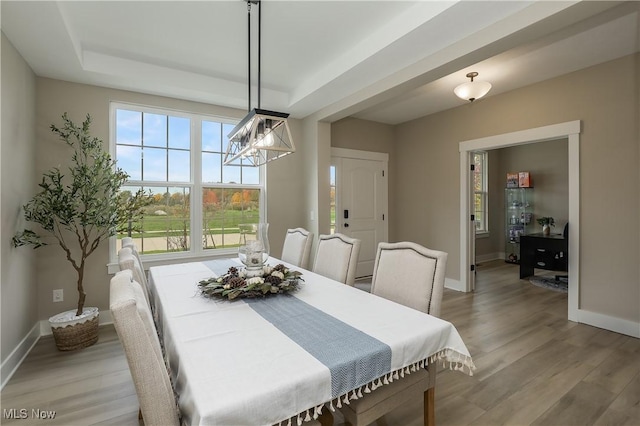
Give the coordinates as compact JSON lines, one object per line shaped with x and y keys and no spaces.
{"x":84,"y":201}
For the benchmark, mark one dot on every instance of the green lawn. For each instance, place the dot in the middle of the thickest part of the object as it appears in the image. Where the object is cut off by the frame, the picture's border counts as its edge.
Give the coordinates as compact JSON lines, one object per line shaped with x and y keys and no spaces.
{"x":218,"y":222}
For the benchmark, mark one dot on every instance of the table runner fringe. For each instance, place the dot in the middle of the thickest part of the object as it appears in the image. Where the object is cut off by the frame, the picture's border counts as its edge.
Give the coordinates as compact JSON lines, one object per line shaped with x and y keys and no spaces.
{"x":456,"y":361}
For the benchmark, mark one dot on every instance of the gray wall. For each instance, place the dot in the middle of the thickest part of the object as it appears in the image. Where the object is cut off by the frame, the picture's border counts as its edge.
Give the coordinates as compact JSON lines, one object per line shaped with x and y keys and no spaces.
{"x":423,"y":191}
{"x":284,"y":182}
{"x":364,"y":135}
{"x":606,"y":99}
{"x":19,"y":311}
{"x":547,"y":162}
{"x":354,"y":133}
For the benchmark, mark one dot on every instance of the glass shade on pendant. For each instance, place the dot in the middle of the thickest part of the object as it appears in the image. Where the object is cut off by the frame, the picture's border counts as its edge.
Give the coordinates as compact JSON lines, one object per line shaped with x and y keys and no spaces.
{"x":254,"y":248}
{"x":260,"y":137}
{"x":472,"y":90}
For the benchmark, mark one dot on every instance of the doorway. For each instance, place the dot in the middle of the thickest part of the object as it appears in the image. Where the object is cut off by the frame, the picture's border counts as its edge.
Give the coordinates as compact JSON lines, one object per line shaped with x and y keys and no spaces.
{"x":361,"y":198}
{"x":571,"y":132}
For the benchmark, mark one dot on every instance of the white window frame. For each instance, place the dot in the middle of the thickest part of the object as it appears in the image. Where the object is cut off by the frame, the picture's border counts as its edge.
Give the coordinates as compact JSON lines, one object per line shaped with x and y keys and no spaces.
{"x":484,"y":193}
{"x":195,"y":186}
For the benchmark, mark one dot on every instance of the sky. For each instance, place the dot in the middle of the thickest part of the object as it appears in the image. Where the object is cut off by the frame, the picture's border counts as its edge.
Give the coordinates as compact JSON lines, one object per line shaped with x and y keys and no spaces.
{"x":164,"y":141}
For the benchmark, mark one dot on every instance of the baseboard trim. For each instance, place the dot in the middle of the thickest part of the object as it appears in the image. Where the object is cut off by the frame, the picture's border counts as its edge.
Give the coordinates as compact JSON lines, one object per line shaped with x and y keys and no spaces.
{"x":488,"y":257}
{"x":606,"y":322}
{"x":454,"y":284}
{"x":40,"y":329}
{"x":17,"y":356}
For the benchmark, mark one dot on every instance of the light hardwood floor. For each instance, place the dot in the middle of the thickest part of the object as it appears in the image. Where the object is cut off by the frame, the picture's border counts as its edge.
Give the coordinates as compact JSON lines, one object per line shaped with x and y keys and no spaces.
{"x":533,"y":367}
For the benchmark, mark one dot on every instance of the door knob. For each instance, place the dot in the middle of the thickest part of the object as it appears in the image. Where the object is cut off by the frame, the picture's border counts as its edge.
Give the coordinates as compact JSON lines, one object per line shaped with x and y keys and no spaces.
{"x":346,"y":225}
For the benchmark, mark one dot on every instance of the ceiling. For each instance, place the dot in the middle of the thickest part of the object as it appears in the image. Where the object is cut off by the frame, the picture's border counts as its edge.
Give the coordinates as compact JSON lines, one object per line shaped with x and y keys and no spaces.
{"x":387,"y":61}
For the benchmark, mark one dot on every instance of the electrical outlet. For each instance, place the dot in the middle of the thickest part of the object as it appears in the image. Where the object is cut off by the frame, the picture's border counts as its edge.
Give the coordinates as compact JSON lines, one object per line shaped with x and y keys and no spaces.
{"x":58,"y":295}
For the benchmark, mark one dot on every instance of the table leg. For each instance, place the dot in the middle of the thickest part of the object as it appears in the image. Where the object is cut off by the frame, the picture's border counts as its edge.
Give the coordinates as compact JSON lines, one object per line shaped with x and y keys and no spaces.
{"x":326,"y":418}
{"x":429,"y":407}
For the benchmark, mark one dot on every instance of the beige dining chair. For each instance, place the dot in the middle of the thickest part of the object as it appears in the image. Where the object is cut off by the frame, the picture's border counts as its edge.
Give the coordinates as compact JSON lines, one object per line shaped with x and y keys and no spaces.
{"x":337,"y":257}
{"x":128,"y":261}
{"x":137,"y":333}
{"x":128,"y":242}
{"x":297,"y":247}
{"x":412,"y":275}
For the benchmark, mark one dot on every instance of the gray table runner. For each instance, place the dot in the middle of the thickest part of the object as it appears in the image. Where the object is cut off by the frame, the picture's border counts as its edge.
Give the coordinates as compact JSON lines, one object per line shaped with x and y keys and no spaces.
{"x":353,"y":358}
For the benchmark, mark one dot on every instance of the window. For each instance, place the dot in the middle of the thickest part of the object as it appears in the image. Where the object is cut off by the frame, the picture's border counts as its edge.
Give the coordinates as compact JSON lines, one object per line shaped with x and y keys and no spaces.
{"x":480,"y":191}
{"x":197,"y":201}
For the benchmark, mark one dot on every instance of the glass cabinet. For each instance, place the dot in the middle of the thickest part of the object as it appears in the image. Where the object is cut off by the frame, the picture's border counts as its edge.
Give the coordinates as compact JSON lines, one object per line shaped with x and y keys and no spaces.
{"x":518,"y":216}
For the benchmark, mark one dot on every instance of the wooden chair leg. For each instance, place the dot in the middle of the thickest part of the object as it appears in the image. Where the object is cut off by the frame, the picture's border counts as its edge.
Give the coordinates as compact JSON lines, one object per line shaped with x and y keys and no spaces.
{"x":429,"y":407}
{"x":326,"y":418}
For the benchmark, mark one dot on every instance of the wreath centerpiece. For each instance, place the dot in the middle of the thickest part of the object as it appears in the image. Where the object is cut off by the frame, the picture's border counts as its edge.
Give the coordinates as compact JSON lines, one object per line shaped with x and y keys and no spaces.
{"x":235,"y":284}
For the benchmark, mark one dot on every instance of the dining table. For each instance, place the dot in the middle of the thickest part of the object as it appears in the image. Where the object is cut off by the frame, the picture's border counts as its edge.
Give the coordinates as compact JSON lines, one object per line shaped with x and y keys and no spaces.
{"x":284,"y":358}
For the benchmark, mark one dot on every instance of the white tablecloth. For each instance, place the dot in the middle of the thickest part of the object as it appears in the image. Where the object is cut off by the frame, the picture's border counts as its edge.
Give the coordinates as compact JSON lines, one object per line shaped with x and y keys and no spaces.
{"x":231,"y":366}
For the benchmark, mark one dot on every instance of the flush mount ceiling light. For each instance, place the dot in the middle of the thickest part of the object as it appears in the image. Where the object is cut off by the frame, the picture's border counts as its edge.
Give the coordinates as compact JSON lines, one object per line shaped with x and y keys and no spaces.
{"x":261,"y":136}
{"x":472,"y":90}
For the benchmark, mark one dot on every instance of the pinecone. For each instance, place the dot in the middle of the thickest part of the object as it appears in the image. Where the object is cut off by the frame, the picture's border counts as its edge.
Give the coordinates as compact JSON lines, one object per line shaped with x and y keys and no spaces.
{"x":233,"y":271}
{"x":236,"y":282}
{"x":273,"y":280}
{"x":280,"y":267}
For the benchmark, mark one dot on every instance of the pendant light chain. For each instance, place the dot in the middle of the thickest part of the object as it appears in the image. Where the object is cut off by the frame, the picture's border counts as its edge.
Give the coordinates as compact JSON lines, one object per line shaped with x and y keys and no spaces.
{"x":261,"y":136}
{"x":249,"y":49}
{"x":259,"y":47}
{"x":249,"y":54}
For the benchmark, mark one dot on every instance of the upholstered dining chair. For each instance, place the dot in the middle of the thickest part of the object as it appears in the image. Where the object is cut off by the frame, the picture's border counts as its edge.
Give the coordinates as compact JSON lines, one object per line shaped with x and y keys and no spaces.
{"x":412,"y":275}
{"x":337,"y":257}
{"x":128,"y":242}
{"x":127,"y":260}
{"x":136,"y":331}
{"x":297,"y":247}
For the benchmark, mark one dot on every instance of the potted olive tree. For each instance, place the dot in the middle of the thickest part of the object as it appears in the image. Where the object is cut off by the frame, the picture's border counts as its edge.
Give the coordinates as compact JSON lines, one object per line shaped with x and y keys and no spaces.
{"x":80,"y":209}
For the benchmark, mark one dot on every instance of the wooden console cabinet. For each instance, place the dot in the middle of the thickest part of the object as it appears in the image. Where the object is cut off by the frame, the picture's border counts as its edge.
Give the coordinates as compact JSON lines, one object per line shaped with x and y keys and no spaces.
{"x":544,"y":252}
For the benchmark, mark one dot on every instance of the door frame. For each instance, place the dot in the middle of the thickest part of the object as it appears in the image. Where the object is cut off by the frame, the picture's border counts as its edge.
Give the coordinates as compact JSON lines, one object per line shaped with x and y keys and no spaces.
{"x":568,"y":130}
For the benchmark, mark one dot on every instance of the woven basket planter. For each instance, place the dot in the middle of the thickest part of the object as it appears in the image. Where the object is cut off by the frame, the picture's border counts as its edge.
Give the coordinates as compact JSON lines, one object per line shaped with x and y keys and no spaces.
{"x":72,"y":332}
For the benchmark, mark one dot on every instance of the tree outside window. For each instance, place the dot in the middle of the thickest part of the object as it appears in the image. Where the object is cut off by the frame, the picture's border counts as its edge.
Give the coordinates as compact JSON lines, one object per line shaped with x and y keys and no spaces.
{"x":198,"y":202}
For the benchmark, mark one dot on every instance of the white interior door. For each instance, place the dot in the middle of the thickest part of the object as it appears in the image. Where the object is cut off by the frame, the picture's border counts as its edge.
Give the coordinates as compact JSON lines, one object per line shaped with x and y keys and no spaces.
{"x":361,"y":206}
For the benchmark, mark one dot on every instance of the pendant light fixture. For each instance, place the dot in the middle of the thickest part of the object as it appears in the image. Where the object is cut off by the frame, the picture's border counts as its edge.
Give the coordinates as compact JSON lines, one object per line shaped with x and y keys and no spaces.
{"x":261,"y":136}
{"x":472,"y":90}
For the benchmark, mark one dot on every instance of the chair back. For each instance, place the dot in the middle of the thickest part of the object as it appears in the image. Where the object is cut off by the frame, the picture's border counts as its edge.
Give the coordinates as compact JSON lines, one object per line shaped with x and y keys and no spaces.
{"x":137,"y":333}
{"x":128,"y":242}
{"x":410,"y":274}
{"x":337,"y":257}
{"x":127,"y":260}
{"x":297,"y":247}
